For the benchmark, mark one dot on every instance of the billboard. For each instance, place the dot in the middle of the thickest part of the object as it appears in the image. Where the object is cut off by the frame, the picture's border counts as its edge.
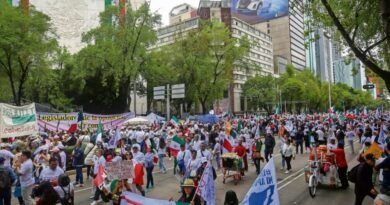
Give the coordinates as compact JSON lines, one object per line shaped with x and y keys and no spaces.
{"x":257,"y":11}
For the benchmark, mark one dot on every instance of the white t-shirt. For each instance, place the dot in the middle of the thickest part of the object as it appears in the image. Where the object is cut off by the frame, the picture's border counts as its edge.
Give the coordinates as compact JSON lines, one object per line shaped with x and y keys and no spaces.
{"x":206,"y":153}
{"x":138,"y":157}
{"x":7,"y":155}
{"x":320,"y":134}
{"x":140,"y":136}
{"x":63,"y":160}
{"x":186,"y":157}
{"x":193,"y":165}
{"x":69,"y":188}
{"x":26,"y":177}
{"x":48,"y":174}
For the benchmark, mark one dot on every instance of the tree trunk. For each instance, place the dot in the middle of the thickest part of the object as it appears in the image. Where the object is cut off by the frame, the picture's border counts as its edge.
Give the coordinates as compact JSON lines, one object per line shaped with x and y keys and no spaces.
{"x":359,"y":53}
{"x":204,"y":106}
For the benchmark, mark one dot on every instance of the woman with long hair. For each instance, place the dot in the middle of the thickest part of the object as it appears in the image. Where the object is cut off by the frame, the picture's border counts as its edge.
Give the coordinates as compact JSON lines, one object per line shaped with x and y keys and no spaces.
{"x":188,"y":193}
{"x":161,"y":151}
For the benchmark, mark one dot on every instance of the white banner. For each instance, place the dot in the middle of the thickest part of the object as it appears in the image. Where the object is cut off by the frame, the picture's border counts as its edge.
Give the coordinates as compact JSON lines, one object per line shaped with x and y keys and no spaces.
{"x":129,"y":198}
{"x":17,"y":121}
{"x":264,"y":190}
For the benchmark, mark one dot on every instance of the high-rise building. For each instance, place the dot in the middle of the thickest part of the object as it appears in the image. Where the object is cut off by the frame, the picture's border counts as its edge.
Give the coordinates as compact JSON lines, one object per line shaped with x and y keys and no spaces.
{"x":283,"y":21}
{"x":181,"y":13}
{"x":260,"y":53}
{"x":72,"y":18}
{"x":350,"y":72}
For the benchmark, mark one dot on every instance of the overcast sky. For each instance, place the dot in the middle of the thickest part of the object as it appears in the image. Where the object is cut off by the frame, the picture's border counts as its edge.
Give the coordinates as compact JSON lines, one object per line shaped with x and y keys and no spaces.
{"x":164,"y":7}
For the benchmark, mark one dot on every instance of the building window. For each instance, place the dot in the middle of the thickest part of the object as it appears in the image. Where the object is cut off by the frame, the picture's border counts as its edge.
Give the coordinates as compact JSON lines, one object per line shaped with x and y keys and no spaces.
{"x":268,"y":31}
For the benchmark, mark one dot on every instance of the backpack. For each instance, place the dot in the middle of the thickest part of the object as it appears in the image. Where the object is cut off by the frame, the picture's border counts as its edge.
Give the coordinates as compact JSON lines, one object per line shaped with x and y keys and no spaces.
{"x":5,"y":182}
{"x":68,"y":198}
{"x":352,"y":174}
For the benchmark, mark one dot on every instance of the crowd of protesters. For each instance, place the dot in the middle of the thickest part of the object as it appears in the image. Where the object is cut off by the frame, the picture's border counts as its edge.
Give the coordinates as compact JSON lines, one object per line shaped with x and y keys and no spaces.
{"x":37,"y":164}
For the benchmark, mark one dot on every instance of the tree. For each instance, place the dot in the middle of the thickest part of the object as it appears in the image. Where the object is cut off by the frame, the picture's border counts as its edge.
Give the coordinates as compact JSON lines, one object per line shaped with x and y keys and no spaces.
{"x":205,"y":59}
{"x":26,"y":44}
{"x":113,"y":59}
{"x":261,"y":92}
{"x":363,"y":25}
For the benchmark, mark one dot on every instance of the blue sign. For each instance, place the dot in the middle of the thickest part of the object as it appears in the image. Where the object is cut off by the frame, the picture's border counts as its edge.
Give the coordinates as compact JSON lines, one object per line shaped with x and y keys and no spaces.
{"x":257,"y":11}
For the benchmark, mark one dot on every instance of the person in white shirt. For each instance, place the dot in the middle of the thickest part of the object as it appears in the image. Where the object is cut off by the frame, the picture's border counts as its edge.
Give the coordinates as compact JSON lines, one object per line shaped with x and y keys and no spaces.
{"x":138,"y":157}
{"x":217,"y":152}
{"x":183,"y":157}
{"x":203,"y":152}
{"x":99,"y":160}
{"x":63,"y":156}
{"x":6,"y":154}
{"x":288,"y":154}
{"x":196,"y":143}
{"x":25,"y":173}
{"x":193,"y":164}
{"x":139,"y":136}
{"x":64,"y":187}
{"x":350,"y":136}
{"x":332,"y":144}
{"x":51,"y":172}
{"x":321,"y":136}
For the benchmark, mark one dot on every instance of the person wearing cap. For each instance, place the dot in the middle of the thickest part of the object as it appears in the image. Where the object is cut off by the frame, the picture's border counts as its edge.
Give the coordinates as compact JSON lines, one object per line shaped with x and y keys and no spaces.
{"x":188,"y":193}
{"x":364,"y":185}
{"x":10,"y":178}
{"x":6,"y":154}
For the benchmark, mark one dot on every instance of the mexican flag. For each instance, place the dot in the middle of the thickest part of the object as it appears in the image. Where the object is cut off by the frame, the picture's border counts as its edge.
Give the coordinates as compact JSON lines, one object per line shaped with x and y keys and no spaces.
{"x":175,"y":122}
{"x":174,"y":146}
{"x":99,"y":132}
{"x":227,"y":146}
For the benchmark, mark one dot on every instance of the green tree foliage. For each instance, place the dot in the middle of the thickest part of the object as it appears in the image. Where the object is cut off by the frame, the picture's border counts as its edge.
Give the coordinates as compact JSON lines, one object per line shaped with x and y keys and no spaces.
{"x":362,"y":25}
{"x":205,"y":59}
{"x":303,"y":91}
{"x":27,"y":45}
{"x":115,"y":55}
{"x":260,"y":92}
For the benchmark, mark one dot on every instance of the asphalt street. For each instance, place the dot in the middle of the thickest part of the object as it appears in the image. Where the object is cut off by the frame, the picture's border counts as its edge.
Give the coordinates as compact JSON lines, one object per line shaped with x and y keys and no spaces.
{"x":292,"y":187}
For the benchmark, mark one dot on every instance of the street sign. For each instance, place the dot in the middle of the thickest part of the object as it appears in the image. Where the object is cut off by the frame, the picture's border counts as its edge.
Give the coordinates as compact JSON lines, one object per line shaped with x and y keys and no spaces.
{"x":178,"y":96}
{"x":159,"y":93}
{"x":178,"y":91}
{"x":368,"y":86}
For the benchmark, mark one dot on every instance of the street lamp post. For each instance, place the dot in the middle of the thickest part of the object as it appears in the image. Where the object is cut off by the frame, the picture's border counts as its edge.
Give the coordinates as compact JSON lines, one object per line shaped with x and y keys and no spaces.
{"x":328,"y":36}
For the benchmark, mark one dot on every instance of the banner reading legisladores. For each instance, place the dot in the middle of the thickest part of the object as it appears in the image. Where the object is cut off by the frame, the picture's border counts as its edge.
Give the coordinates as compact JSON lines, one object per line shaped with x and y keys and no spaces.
{"x":62,"y":121}
{"x":16,"y":121}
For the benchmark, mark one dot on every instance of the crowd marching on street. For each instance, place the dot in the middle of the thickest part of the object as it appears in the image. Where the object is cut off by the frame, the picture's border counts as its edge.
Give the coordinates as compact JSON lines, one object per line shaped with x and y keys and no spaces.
{"x":33,"y":168}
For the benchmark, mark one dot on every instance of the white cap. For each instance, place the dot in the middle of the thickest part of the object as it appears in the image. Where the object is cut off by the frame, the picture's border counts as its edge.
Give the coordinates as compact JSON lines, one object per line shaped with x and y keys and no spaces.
{"x":203,"y":159}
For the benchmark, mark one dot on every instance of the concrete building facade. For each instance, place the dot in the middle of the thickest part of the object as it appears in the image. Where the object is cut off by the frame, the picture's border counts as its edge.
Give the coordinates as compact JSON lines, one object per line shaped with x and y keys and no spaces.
{"x":181,"y":13}
{"x":287,"y":33}
{"x":260,"y":54}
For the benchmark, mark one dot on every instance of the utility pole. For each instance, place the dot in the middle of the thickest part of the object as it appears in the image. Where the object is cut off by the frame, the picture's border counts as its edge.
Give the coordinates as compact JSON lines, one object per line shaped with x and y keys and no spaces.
{"x":135,"y":96}
{"x":168,"y":106}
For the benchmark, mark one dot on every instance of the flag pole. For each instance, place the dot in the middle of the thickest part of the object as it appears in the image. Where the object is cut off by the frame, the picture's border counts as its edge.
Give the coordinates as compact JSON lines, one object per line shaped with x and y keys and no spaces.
{"x":196,"y":190}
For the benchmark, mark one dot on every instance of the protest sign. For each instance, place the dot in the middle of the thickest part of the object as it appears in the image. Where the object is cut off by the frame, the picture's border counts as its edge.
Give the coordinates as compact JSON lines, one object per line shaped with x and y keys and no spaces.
{"x":62,"y":121}
{"x":120,"y":170}
{"x":17,"y":121}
